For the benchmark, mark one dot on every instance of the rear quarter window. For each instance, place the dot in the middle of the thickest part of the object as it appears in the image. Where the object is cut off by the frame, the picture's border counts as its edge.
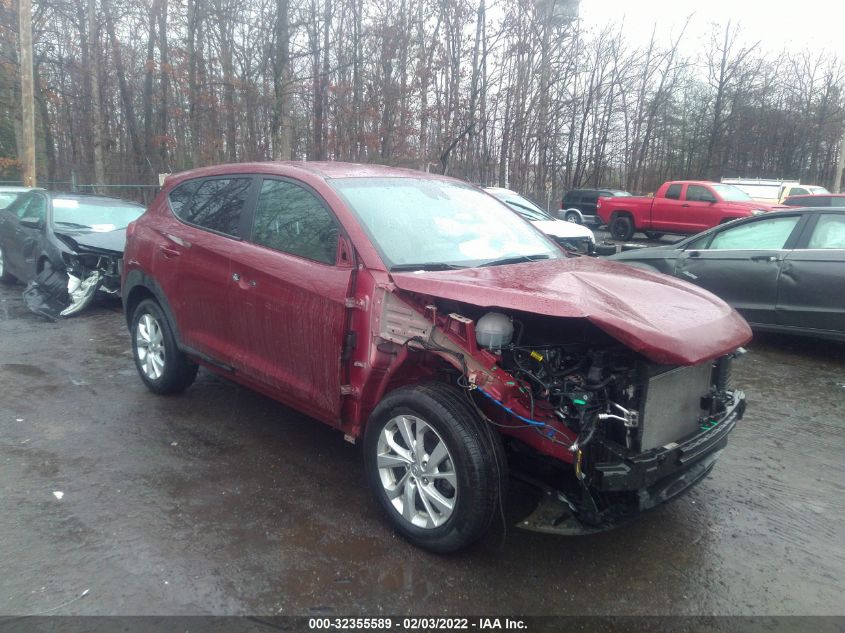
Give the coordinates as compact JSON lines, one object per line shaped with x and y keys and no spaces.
{"x":181,"y":195}
{"x":217,"y":204}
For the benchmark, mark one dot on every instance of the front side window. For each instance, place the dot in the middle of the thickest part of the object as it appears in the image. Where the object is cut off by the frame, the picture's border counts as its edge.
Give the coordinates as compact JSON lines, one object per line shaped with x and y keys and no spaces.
{"x":829,"y":232}
{"x":291,"y":219}
{"x":217,"y":204}
{"x":674,"y":192}
{"x":697,"y":193}
{"x":30,"y":207}
{"x":426,"y":222}
{"x":768,"y":234}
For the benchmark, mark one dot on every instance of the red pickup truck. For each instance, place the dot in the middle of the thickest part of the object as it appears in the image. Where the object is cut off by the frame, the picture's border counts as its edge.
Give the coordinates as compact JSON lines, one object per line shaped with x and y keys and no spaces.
{"x":680,"y":206}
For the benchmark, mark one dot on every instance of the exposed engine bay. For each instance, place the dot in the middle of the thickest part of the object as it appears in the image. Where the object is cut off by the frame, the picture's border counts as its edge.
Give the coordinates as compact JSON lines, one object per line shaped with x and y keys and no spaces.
{"x":573,"y":400}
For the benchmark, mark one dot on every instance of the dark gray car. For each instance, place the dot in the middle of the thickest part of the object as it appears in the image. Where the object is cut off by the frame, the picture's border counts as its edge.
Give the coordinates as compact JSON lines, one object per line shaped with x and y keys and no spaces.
{"x":783,"y":271}
{"x":64,"y":246}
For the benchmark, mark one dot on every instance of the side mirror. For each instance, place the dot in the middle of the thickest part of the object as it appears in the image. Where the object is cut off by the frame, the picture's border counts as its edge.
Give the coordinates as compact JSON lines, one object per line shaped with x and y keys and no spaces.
{"x":32,"y":223}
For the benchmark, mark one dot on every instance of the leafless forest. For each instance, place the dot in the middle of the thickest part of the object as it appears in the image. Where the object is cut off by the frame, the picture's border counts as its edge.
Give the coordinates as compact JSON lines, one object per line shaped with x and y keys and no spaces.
{"x":515,"y":93}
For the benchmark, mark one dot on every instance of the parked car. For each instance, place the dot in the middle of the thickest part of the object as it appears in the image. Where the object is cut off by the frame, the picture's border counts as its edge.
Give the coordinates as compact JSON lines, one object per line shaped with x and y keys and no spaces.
{"x":65,"y":246}
{"x":8,"y":194}
{"x":784,"y":271}
{"x":677,"y":207}
{"x":579,"y":205}
{"x":417,"y":314}
{"x":772,"y":191}
{"x":569,"y":235}
{"x":817,"y":200}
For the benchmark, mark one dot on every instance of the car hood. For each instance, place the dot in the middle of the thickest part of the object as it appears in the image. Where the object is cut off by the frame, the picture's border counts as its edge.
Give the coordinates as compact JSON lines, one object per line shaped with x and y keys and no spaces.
{"x":667,"y":320}
{"x":560,"y":228}
{"x":113,"y":242}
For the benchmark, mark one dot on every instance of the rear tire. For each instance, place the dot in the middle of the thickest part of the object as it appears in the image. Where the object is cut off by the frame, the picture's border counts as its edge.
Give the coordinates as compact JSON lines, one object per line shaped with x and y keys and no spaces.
{"x":622,"y":227}
{"x":163,"y":367}
{"x":653,"y":235}
{"x":443,"y":506}
{"x":573,"y":216}
{"x":5,"y":276}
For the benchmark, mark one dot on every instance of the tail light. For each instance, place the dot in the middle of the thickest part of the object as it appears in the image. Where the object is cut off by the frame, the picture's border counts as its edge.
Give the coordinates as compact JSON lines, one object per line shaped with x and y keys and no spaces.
{"x":130,"y":229}
{"x":598,"y":203}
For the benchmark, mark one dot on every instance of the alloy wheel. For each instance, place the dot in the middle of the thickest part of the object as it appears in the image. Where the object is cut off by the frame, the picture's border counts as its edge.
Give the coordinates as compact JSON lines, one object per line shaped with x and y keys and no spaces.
{"x":417,"y":471}
{"x":149,"y":341}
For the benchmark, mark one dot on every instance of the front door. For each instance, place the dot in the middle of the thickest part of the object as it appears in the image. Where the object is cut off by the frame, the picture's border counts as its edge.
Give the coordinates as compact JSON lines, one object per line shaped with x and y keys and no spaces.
{"x":289,"y":293}
{"x":23,"y":229}
{"x":742,"y":264}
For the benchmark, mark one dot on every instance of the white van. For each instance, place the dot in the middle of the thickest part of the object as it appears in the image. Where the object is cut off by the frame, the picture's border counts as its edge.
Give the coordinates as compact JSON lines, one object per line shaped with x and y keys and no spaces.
{"x":773,"y":191}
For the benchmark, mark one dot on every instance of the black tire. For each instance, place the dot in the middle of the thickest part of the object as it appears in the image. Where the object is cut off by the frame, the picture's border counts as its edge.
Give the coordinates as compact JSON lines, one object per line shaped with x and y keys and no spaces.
{"x":5,"y":276}
{"x":178,"y":372}
{"x":653,"y":235}
{"x":622,"y":227}
{"x":475,"y":454}
{"x":573,"y":216}
{"x":605,"y":250}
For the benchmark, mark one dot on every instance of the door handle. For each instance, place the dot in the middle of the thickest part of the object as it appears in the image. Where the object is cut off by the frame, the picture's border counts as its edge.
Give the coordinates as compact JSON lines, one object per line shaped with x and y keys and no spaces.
{"x":764,"y":258}
{"x":236,"y":277}
{"x":168,"y":252}
{"x":684,"y":204}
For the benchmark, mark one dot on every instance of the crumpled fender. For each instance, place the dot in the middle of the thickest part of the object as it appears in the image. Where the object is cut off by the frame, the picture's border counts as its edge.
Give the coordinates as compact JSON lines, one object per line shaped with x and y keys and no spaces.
{"x":667,"y":320}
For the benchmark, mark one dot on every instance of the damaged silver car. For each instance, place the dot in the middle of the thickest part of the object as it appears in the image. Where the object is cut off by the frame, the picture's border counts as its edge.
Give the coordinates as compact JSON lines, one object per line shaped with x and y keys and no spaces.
{"x":65,"y":247}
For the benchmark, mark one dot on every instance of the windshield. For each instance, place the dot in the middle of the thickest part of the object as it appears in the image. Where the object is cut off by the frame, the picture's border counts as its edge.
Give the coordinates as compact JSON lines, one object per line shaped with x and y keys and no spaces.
{"x":729,"y":193}
{"x":523,"y":206}
{"x":94,"y":214}
{"x":8,"y":197}
{"x":425,"y":222}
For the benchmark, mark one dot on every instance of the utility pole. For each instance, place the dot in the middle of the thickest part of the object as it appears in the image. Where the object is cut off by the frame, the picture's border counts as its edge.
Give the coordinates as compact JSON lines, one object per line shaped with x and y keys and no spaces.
{"x":27,"y":93}
{"x":840,"y":164}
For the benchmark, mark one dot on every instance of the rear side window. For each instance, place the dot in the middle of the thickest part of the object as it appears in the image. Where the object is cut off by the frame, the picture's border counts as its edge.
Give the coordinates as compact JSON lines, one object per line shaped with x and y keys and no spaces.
{"x":181,"y":195}
{"x":589,"y":198}
{"x":798,"y":191}
{"x":291,"y":219}
{"x":829,"y":232}
{"x":674,"y":192}
{"x":571,"y":198}
{"x":217,"y":204}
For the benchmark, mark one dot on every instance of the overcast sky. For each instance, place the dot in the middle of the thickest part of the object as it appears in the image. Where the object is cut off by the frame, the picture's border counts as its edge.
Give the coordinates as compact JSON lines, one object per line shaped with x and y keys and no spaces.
{"x":811,"y":24}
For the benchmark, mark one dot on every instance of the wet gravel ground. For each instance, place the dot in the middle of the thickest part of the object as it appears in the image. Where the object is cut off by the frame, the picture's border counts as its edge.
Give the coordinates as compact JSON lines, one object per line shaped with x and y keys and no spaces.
{"x":222,"y":501}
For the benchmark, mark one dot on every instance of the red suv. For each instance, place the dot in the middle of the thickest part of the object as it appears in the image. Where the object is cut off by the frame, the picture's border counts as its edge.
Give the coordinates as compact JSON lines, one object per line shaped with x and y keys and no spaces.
{"x":422,"y":316}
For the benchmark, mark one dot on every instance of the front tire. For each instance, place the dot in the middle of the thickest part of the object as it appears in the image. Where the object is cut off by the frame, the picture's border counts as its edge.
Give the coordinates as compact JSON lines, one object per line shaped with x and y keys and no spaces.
{"x":622,"y":228}
{"x":653,"y":235}
{"x":434,"y":471}
{"x":163,"y":367}
{"x":5,"y":276}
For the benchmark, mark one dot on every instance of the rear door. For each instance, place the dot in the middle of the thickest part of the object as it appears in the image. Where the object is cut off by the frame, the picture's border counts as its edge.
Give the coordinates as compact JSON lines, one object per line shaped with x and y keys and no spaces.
{"x":289,"y":291}
{"x":811,"y":292}
{"x":742,"y":264}
{"x":191,"y":261}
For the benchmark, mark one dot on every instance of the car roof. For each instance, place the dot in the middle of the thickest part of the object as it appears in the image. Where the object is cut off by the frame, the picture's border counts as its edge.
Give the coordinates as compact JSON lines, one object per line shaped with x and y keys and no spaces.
{"x":322,"y":169}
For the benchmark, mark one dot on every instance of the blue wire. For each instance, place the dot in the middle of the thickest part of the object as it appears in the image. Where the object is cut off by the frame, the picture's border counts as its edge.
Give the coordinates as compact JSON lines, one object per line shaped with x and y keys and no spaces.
{"x":512,"y":412}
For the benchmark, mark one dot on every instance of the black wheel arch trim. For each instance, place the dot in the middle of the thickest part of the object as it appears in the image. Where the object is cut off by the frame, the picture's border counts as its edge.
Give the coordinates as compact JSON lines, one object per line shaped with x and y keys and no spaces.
{"x":139,"y":279}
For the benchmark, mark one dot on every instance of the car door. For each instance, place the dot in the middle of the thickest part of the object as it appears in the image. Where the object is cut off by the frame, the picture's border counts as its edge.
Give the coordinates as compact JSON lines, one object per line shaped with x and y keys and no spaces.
{"x":811,"y":292}
{"x":666,"y":211}
{"x":289,"y":293}
{"x":741,"y":264}
{"x":700,"y":208}
{"x":191,"y":261}
{"x":22,"y":234}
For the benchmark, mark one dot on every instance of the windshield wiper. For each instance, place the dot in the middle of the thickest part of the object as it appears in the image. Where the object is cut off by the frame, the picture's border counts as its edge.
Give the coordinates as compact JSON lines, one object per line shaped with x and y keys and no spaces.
{"x":73,"y":224}
{"x":426,"y":266}
{"x":515,"y":259}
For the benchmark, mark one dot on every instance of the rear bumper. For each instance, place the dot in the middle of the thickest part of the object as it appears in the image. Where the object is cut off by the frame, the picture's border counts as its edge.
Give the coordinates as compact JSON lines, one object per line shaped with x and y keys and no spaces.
{"x":661,"y":473}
